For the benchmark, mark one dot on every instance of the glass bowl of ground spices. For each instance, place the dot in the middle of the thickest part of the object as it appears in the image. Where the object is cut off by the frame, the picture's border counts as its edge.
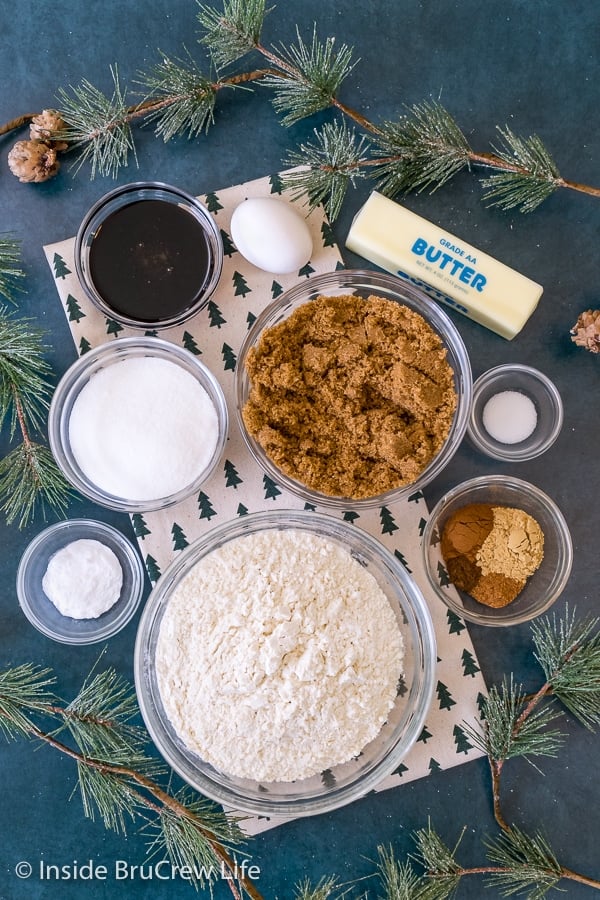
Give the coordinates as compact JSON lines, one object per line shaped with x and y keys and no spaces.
{"x":284,"y":663}
{"x":80,"y":581}
{"x":497,"y":550}
{"x":353,"y":389}
{"x":516,"y":414}
{"x":148,"y":255}
{"x":137,"y":424}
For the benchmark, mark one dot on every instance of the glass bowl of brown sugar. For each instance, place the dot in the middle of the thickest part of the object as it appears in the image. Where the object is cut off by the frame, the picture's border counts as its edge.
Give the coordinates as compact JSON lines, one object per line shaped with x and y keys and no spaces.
{"x":497,"y":550}
{"x":353,"y":389}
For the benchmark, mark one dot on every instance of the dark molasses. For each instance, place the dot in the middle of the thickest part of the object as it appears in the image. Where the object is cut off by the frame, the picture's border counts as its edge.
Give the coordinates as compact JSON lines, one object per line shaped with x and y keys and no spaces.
{"x":150,"y":260}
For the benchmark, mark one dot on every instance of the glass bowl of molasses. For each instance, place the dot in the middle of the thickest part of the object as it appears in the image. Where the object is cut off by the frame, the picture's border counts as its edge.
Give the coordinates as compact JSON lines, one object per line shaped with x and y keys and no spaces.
{"x":148,"y":255}
{"x":364,"y":392}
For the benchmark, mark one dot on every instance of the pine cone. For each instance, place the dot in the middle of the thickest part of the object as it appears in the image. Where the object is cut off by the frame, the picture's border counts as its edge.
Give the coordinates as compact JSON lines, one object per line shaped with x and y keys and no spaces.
{"x":586,"y":330}
{"x":45,"y":125}
{"x":33,"y":161}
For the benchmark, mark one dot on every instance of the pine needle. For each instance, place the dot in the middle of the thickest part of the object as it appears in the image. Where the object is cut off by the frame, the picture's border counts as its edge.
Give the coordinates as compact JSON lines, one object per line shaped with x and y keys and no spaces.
{"x":532,"y":176}
{"x":443,"y":872}
{"x":30,"y":481}
{"x":185,"y":98}
{"x":327,"y":167}
{"x":189,"y":840}
{"x":399,"y":880}
{"x":23,"y":690}
{"x":97,"y":126}
{"x":569,"y":653}
{"x":310,"y":77}
{"x":423,"y":149}
{"x":109,"y":795}
{"x":324,"y":890}
{"x":508,"y":734}
{"x":529,"y":863}
{"x":99,"y":720}
{"x":11,"y":272}
{"x":235,"y":31}
{"x":23,"y":373}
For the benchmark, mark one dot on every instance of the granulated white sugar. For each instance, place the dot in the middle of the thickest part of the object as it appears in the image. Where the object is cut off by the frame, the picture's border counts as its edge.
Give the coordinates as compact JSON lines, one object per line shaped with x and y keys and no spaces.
{"x":278,"y":656}
{"x":143,"y":428}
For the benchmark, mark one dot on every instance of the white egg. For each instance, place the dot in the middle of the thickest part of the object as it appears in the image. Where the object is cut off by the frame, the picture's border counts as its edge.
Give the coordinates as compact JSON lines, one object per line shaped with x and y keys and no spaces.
{"x":271,"y":234}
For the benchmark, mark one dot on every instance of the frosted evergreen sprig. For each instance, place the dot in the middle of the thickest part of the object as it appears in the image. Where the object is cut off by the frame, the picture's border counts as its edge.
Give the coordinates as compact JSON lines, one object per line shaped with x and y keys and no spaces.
{"x":307,"y":77}
{"x":29,"y":477}
{"x":97,"y":126}
{"x":232,"y":32}
{"x":113,"y":773}
{"x":421,"y":150}
{"x":327,"y":166}
{"x":568,"y":651}
{"x":11,"y":271}
{"x":530,"y":177}
{"x":183,"y":98}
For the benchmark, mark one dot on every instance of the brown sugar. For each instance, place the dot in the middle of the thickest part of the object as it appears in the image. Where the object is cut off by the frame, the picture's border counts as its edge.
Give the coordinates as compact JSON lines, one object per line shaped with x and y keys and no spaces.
{"x":351,"y":397}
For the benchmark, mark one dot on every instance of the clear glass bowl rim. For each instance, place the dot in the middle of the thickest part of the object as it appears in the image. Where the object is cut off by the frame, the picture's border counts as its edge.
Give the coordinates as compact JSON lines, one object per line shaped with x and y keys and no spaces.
{"x":417,"y":300}
{"x":518,"y":485}
{"x":519,"y":452}
{"x":146,"y":190}
{"x":419,"y":625}
{"x":77,"y":375}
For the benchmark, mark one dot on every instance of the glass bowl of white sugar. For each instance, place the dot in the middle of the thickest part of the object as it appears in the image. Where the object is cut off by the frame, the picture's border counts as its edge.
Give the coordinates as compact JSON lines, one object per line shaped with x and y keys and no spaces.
{"x":285,"y":663}
{"x":137,"y":424}
{"x":80,"y":581}
{"x":516,"y":413}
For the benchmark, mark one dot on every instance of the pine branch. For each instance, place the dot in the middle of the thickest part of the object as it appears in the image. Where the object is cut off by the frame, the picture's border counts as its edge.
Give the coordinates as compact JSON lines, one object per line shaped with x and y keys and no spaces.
{"x":530,"y":174}
{"x":117,"y":790}
{"x":327,"y":167}
{"x":324,"y":890}
{"x":11,"y":272}
{"x":184,"y":98}
{"x":234,"y":32}
{"x":569,"y":653}
{"x":97,"y":126}
{"x":24,"y":690}
{"x":527,"y":863}
{"x":30,"y":481}
{"x":423,"y":149}
{"x":29,"y":476}
{"x":307,"y":77}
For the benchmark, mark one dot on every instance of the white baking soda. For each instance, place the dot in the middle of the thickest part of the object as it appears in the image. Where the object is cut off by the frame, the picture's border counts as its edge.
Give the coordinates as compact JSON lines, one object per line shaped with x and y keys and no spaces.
{"x":83,"y":579}
{"x":278,"y":656}
{"x":509,"y":417}
{"x":143,"y":428}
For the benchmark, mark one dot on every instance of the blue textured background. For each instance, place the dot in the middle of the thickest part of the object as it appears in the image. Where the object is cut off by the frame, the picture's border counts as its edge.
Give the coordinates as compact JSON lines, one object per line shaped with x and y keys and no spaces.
{"x":530,"y":65}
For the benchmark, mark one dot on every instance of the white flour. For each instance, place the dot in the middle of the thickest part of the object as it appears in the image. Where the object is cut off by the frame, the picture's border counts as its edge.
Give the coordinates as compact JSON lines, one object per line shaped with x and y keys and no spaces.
{"x":278,"y":657}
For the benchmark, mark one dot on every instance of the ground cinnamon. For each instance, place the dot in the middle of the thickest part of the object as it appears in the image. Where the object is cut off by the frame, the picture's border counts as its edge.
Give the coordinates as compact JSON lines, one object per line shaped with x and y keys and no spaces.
{"x":351,"y":397}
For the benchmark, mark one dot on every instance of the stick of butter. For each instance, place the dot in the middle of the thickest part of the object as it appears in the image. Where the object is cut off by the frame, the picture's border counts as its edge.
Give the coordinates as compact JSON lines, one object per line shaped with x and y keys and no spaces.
{"x":443,"y":266}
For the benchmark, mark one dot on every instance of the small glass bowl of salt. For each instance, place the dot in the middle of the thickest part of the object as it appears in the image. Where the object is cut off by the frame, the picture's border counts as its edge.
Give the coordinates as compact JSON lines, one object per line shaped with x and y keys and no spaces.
{"x":516,"y":413}
{"x":80,"y":581}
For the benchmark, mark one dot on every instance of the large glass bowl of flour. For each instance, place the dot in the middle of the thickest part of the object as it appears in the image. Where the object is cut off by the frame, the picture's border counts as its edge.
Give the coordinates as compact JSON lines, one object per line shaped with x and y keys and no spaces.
{"x":169,"y":710}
